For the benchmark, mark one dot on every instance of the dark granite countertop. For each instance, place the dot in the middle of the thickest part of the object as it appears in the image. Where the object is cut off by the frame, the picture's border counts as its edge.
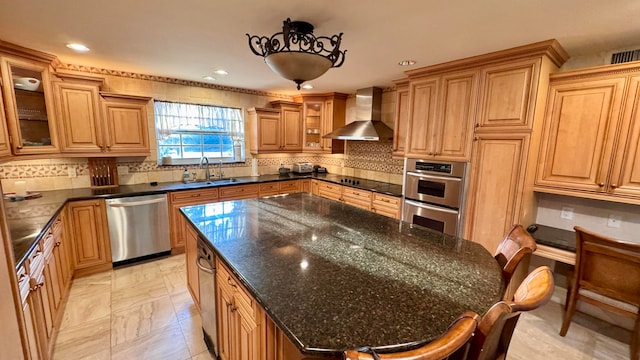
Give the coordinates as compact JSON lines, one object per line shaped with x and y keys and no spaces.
{"x":29,"y":219}
{"x":333,"y":276}
{"x":554,"y":237}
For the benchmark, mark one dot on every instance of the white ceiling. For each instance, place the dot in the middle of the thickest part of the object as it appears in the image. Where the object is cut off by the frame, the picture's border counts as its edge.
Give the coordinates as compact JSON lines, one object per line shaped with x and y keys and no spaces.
{"x":189,"y":39}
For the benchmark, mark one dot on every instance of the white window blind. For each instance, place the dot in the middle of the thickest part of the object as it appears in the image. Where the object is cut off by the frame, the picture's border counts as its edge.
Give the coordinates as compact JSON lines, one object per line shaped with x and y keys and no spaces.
{"x":187,"y":132}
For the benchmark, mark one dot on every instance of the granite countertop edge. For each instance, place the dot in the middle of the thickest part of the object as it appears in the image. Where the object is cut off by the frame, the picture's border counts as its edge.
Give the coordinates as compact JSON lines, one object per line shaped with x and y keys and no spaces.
{"x":56,"y":199}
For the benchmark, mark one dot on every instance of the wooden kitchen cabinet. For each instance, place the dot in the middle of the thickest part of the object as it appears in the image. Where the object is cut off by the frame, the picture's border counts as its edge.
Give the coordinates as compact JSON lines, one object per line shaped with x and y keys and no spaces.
{"x":321,"y":114}
{"x":30,"y":327}
{"x":330,"y":190}
{"x":401,"y":118}
{"x":239,"y":192}
{"x":240,"y":319}
{"x":441,"y":114}
{"x":191,"y":256}
{"x":508,"y":95}
{"x":386,"y":205}
{"x":126,"y":126}
{"x":495,"y":195}
{"x":305,"y":185}
{"x":92,"y":249}
{"x":178,"y":199}
{"x":276,"y":130}
{"x":315,"y":187}
{"x":356,"y":197}
{"x":280,"y":187}
{"x":29,"y":105}
{"x":5,"y":144}
{"x":580,"y":131}
{"x":77,"y":100}
{"x":591,"y":134}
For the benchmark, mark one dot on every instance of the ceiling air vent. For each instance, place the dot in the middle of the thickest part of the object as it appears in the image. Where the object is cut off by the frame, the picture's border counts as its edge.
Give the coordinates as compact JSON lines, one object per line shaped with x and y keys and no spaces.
{"x":625,"y":56}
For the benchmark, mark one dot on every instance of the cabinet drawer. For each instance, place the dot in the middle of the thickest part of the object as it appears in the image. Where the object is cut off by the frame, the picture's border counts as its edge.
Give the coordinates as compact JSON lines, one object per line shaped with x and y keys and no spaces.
{"x":189,"y":196}
{"x":357,"y":202}
{"x":23,"y":283}
{"x":47,"y":244}
{"x":360,"y":195}
{"x":35,"y":262}
{"x":331,"y":188}
{"x":239,"y":192}
{"x":271,"y":188}
{"x":386,"y":200}
{"x":288,"y":187}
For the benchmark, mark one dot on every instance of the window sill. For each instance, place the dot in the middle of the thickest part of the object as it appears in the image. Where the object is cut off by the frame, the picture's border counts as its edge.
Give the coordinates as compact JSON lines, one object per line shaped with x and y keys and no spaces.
{"x":212,"y":162}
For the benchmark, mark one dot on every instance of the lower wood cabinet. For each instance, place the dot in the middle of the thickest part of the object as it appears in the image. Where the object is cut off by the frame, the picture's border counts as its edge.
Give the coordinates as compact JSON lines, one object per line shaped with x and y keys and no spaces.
{"x":240,"y":319}
{"x":495,"y":191}
{"x":280,"y":187}
{"x":382,"y":204}
{"x":90,"y":233}
{"x":44,"y":282}
{"x":178,"y":199}
{"x":191,"y":255}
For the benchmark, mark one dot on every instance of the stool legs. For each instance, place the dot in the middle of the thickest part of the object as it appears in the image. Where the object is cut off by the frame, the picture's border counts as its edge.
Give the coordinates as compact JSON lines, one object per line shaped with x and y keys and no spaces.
{"x":570,"y":308}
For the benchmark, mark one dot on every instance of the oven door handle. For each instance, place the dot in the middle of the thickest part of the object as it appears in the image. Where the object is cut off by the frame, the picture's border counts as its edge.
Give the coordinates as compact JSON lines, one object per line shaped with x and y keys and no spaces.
{"x":429,"y":207}
{"x":435,"y":177}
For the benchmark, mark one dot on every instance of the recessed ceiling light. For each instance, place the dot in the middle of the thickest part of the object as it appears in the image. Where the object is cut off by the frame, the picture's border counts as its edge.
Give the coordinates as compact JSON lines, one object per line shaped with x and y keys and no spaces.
{"x":77,"y":47}
{"x":406,"y":62}
{"x":209,"y":78}
{"x":307,"y":86}
{"x":221,"y":72}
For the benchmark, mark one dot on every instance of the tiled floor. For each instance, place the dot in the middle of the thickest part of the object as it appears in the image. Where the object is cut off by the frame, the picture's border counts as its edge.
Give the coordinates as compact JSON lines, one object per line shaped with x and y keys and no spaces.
{"x":145,"y":312}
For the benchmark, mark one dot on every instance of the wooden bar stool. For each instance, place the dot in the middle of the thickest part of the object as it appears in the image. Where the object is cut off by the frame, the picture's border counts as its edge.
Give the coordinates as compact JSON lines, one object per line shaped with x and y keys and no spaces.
{"x":455,"y":338}
{"x":607,"y":275}
{"x":516,"y":247}
{"x":493,"y":336}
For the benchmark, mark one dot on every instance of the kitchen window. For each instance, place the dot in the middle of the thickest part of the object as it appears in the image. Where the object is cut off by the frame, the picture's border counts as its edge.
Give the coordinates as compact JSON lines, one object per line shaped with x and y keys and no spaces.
{"x":187,"y":132}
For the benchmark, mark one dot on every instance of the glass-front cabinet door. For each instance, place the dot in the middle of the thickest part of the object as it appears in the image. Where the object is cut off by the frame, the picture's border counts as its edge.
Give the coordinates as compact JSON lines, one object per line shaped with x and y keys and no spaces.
{"x":27,"y":92}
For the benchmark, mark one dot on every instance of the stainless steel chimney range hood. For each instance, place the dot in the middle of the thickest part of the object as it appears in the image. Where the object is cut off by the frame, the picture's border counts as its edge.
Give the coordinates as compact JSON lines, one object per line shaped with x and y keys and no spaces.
{"x":368,"y":125}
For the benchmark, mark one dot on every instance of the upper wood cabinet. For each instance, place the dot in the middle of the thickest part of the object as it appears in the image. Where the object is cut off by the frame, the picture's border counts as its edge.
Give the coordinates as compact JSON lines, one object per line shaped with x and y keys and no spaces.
{"x":77,"y":101}
{"x":126,"y":125}
{"x":508,"y":94}
{"x":442,"y":110}
{"x":591,"y":134}
{"x":276,"y":130}
{"x":401,"y":118}
{"x":5,"y":144}
{"x":28,"y":101}
{"x":322,"y":113}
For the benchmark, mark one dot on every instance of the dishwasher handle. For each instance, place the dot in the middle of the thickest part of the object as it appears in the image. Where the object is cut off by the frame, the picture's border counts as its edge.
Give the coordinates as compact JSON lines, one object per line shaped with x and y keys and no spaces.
{"x":202,"y":267}
{"x":137,"y":203}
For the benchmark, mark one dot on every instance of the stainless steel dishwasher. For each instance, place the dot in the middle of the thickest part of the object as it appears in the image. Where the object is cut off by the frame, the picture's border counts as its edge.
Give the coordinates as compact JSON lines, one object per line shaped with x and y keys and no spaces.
{"x":206,"y":279}
{"x":138,"y":228}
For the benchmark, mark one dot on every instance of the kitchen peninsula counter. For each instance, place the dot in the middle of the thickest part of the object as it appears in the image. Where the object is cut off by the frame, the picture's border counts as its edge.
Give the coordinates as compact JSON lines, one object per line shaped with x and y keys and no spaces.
{"x":28,"y":219}
{"x":332,"y":276}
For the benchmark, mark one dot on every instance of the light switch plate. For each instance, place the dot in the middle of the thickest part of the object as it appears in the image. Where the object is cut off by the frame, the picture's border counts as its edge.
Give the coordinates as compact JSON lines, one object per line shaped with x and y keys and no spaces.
{"x":614,"y":221}
{"x":566,"y":213}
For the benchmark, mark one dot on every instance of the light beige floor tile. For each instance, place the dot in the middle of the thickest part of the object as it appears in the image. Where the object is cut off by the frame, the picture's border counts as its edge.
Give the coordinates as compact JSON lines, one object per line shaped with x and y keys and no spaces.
{"x":134,"y":275}
{"x":91,"y":284}
{"x":134,"y":322}
{"x":172,"y":263}
{"x":183,"y":305}
{"x":162,"y":344}
{"x":203,"y":356}
{"x":89,"y":340}
{"x":138,"y":293}
{"x":175,"y":281}
{"x":192,"y":331}
{"x":85,"y":305}
{"x":608,"y":349}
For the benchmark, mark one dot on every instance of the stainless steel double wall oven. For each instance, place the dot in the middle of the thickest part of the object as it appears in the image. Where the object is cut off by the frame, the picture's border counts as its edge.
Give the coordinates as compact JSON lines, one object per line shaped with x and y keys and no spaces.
{"x":434,"y":194}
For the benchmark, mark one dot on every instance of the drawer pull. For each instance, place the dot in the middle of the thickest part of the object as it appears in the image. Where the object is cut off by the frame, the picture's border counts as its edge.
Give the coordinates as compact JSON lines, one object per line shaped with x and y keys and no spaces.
{"x":58,"y":243}
{"x":195,"y":195}
{"x":230,"y":282}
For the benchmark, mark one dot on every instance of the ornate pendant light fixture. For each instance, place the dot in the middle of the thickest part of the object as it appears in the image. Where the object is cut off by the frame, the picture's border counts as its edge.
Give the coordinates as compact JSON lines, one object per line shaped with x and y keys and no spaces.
{"x":296,"y":54}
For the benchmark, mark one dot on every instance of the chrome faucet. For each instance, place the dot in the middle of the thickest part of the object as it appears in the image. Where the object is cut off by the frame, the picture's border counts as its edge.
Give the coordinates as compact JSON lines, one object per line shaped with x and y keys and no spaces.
{"x":205,"y":161}
{"x":220,"y":173}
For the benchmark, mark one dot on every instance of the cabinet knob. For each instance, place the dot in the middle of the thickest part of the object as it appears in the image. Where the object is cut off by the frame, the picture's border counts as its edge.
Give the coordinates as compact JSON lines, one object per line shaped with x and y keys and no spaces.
{"x":613,"y":186}
{"x":19,"y":147}
{"x":477,"y":125}
{"x":96,"y":204}
{"x":108,"y":147}
{"x":601,"y":184}
{"x":58,"y":243}
{"x":429,"y":153}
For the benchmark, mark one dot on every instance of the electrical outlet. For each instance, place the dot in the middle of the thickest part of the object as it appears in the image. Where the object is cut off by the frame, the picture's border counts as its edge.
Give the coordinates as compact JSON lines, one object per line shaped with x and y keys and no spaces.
{"x":614,"y":221}
{"x":123,"y":170}
{"x":566,"y":213}
{"x":71,"y":172}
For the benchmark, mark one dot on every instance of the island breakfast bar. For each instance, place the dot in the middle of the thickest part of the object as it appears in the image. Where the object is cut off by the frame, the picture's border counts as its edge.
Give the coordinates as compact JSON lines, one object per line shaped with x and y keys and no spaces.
{"x":332,"y":276}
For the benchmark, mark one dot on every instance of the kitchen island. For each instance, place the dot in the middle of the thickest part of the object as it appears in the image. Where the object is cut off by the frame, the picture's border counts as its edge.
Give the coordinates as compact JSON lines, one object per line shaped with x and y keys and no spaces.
{"x":332,"y":276}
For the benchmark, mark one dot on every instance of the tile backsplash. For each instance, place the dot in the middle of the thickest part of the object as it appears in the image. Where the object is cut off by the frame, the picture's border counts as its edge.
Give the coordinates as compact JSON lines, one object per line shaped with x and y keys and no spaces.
{"x":371,"y":160}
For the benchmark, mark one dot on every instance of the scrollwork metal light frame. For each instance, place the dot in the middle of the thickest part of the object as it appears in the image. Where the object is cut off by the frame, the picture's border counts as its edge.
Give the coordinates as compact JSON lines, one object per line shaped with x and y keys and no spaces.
{"x":297,"y":37}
